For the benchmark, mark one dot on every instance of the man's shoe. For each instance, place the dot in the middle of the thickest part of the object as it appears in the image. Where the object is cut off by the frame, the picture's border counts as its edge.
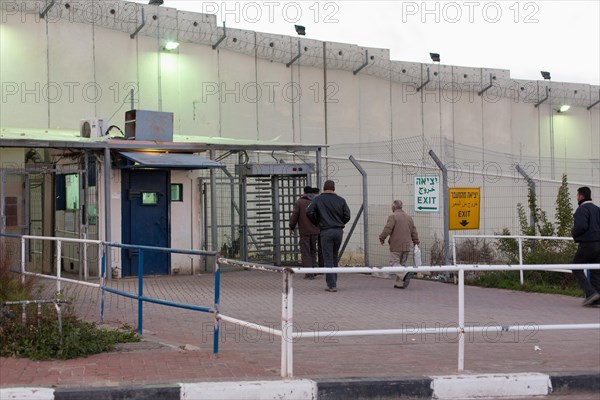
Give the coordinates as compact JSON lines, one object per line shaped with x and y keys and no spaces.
{"x":591,"y":299}
{"x":407,"y":280}
{"x":398,"y":287}
{"x":331,"y":289}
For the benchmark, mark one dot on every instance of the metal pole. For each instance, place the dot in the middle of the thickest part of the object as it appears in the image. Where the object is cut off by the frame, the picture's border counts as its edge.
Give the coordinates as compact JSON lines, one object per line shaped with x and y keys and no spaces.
{"x":58,"y":269}
{"x":284,"y":315}
{"x":365,"y":208}
{"x":214,"y":233}
{"x":217,"y":321}
{"x":107,"y":208}
{"x":23,"y":260}
{"x":531,"y":183}
{"x":461,"y":320}
{"x":319,"y":165}
{"x":290,"y":326}
{"x":521,"y":260}
{"x":102,"y":281}
{"x":444,"y":170}
{"x":140,"y":292}
{"x":276,"y":221}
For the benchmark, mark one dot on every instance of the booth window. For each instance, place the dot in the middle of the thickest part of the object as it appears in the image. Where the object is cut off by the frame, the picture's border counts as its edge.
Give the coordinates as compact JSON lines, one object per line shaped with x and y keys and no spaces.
{"x":177,"y":192}
{"x":11,"y":211}
{"x":149,"y":198}
{"x":72,"y":191}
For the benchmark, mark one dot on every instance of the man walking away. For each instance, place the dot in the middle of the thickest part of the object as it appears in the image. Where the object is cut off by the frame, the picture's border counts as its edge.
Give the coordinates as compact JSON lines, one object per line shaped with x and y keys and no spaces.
{"x":403,"y":235}
{"x":586,"y":233}
{"x":330,"y":213}
{"x":309,"y":233}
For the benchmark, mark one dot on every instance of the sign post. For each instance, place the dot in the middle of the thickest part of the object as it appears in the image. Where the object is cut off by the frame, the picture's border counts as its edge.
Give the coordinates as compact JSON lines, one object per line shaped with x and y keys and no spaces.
{"x":427,"y":193}
{"x":464,"y":205}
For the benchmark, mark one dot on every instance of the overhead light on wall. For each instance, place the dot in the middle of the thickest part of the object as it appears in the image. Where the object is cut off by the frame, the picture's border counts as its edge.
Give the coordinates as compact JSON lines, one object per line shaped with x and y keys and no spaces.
{"x":156,"y":2}
{"x":300,"y":30}
{"x":545,"y":74}
{"x":563,"y":108}
{"x":171,"y":45}
{"x":435,"y":57}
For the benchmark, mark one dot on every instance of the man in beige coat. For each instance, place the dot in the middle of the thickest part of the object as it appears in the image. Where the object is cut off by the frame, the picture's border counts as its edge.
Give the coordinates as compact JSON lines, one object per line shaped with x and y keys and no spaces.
{"x":403,"y":235}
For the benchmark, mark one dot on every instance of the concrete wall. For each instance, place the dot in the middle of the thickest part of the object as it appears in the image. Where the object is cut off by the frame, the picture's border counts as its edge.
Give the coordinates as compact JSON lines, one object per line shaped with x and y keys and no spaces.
{"x":75,"y":64}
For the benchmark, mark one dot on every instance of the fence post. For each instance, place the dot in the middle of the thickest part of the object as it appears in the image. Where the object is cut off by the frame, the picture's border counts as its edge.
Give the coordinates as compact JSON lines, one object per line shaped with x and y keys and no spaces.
{"x":58,"y":265}
{"x":217,"y":298}
{"x":461,"y":320}
{"x":102,"y":280}
{"x":22,"y":260}
{"x":365,"y":207}
{"x":531,"y":183}
{"x":287,"y":331}
{"x":444,"y":170}
{"x":521,"y":260}
{"x":140,"y":292}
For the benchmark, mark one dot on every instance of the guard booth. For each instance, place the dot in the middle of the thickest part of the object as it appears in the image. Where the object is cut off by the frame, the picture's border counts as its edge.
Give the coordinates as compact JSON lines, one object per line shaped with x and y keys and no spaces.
{"x":267,"y":196}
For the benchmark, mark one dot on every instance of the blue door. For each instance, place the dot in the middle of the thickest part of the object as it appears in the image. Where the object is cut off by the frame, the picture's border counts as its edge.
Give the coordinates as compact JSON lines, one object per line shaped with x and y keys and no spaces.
{"x":145,"y":221}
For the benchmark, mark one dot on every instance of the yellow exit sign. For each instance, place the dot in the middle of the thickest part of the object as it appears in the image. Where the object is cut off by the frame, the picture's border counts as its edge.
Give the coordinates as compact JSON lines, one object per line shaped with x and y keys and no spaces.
{"x":463,"y":208}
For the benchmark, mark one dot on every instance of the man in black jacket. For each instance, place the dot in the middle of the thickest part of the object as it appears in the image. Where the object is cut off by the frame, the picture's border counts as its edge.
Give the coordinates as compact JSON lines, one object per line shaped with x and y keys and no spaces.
{"x":330,"y":213}
{"x":586,"y":232}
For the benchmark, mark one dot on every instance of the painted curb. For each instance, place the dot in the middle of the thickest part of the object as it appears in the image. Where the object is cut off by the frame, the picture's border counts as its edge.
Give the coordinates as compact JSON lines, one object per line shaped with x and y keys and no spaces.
{"x":435,"y":387}
{"x":490,"y":386}
{"x":301,"y":389}
{"x":573,"y":382}
{"x":344,"y":389}
{"x":166,"y":392}
{"x":27,"y":394}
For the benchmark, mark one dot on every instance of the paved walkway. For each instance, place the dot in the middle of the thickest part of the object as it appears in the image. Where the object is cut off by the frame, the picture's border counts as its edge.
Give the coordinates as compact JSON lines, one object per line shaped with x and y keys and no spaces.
{"x":362,"y":302}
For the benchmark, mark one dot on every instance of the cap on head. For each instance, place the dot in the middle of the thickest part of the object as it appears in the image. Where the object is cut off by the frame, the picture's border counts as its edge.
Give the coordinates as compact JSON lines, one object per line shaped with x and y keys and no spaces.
{"x":329,"y":185}
{"x":586,"y":192}
{"x":308,"y":189}
{"x":315,"y":190}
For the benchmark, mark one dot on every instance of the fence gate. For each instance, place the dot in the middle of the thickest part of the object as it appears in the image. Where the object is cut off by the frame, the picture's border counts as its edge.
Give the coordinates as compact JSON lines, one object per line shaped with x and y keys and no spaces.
{"x":267,"y":196}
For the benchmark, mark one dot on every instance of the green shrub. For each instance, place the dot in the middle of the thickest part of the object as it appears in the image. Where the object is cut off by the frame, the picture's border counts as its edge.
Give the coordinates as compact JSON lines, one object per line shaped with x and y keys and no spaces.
{"x":39,"y":339}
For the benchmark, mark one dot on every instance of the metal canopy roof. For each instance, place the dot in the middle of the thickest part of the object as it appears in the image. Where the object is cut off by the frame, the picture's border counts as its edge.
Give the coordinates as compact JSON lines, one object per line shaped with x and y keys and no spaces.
{"x":57,"y":138}
{"x":169,"y":160}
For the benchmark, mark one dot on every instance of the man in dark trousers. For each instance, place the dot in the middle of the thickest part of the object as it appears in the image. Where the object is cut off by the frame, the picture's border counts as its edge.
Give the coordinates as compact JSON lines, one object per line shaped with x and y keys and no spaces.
{"x":309,"y":233}
{"x":330,"y":213}
{"x":586,"y":233}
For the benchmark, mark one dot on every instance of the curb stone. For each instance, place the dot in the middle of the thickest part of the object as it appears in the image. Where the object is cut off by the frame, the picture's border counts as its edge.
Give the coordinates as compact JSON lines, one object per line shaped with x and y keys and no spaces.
{"x":438,"y":387}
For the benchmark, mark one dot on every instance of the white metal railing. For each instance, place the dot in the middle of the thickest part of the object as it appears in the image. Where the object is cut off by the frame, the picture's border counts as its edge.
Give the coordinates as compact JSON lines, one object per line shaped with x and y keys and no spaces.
{"x":59,"y":241}
{"x":519,"y":239}
{"x":288,"y":335}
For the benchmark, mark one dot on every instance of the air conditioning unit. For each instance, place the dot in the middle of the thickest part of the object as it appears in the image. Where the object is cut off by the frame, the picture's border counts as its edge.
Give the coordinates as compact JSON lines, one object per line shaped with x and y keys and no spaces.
{"x":91,"y":128}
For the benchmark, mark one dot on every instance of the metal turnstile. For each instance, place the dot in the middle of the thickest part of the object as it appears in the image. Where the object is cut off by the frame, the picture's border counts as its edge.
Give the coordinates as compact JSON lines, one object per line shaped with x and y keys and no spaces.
{"x":267,"y":196}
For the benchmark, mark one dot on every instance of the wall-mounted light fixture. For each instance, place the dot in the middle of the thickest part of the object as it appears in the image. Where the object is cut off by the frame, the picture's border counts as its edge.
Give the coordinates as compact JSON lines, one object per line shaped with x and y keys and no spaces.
{"x":435,"y":57}
{"x":545,"y":75}
{"x":563,"y":108}
{"x":156,"y":2}
{"x":171,"y":45}
{"x":300,"y":30}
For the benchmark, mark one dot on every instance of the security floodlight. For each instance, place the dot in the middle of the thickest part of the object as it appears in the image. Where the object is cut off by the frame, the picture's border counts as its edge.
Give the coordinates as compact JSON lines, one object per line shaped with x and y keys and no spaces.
{"x":156,"y":2}
{"x":171,"y":45}
{"x":545,"y":74}
{"x":300,"y":30}
{"x":564,"y":108}
{"x":435,"y":57}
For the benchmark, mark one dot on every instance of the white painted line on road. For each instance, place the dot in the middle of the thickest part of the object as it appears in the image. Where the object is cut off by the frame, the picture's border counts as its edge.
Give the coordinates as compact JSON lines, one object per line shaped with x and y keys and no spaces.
{"x":301,"y":389}
{"x":490,"y":385}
